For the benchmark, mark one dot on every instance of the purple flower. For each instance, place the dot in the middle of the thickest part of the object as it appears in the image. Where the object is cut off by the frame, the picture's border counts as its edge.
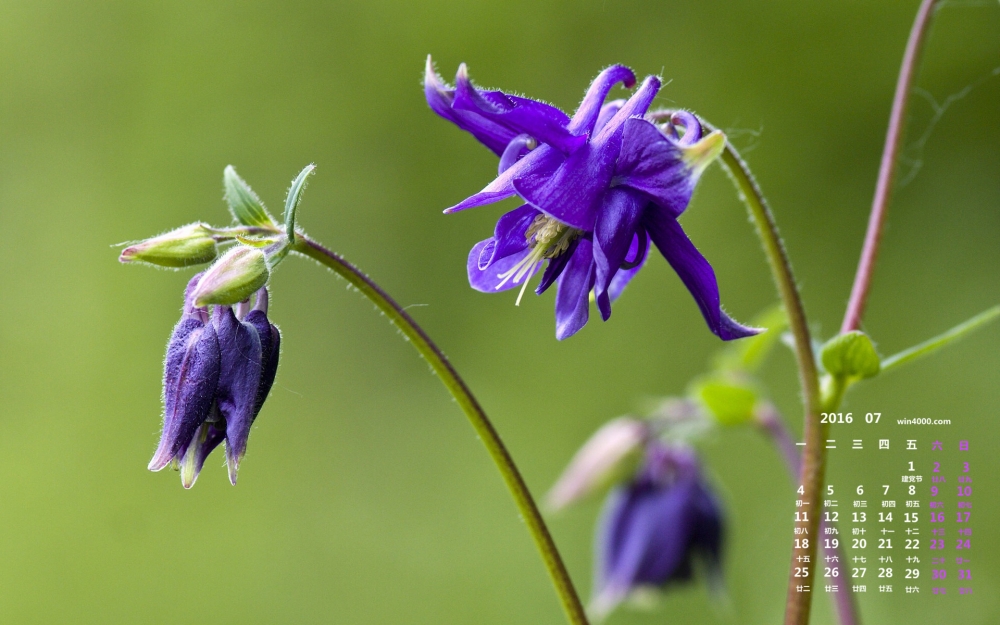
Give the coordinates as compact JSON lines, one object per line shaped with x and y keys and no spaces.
{"x":218,"y":371}
{"x":598,"y":188}
{"x":653,"y":528}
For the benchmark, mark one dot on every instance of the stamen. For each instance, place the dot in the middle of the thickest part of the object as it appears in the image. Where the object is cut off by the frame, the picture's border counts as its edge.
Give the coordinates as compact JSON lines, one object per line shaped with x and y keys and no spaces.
{"x":525,"y":285}
{"x":549,"y":238}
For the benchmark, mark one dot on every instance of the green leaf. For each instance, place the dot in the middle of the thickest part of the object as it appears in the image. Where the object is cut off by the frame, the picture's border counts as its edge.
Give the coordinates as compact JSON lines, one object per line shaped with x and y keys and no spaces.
{"x":748,"y":354}
{"x":958,"y":332}
{"x":244,"y":204}
{"x":729,"y":401}
{"x":293,"y":198}
{"x":851,"y":356}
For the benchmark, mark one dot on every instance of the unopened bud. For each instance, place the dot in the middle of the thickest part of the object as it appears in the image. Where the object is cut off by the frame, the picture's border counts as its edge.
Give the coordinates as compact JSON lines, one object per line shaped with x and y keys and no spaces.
{"x":612,"y":453}
{"x":233,"y":278}
{"x":188,"y":245}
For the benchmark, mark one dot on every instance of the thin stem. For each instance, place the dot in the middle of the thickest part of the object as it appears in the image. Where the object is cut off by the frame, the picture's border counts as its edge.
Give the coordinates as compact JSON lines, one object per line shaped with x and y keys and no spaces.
{"x":769,"y":420}
{"x":470,"y":406}
{"x":771,"y":423}
{"x":814,"y":456}
{"x":887,"y":169}
{"x":939,"y":341}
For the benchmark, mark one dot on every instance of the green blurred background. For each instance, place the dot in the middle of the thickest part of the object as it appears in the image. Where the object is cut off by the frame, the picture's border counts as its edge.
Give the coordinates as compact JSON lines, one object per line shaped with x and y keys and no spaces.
{"x":365,"y":497}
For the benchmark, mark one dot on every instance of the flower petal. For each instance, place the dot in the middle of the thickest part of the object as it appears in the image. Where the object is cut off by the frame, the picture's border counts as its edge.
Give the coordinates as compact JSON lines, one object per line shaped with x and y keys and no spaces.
{"x":542,"y":121}
{"x":488,"y":280}
{"x":515,"y":151}
{"x":509,"y":234}
{"x":239,"y":382}
{"x":695,"y":272}
{"x":270,"y":347}
{"x":587,"y":114}
{"x":663,"y":528}
{"x":440,"y":97}
{"x":708,"y":528}
{"x":190,"y":377}
{"x":638,"y":252}
{"x":654,"y":165}
{"x":209,"y":435}
{"x":607,"y":112}
{"x":573,"y":193}
{"x":543,"y":160}
{"x":555,"y":268}
{"x":573,"y":296}
{"x":642,"y":540}
{"x":613,"y":236}
{"x":637,"y":105}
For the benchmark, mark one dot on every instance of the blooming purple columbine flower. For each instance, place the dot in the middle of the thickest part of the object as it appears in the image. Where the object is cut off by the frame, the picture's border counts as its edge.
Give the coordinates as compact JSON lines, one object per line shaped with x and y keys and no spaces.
{"x":655,"y":527}
{"x":598,"y":187}
{"x":219,"y":369}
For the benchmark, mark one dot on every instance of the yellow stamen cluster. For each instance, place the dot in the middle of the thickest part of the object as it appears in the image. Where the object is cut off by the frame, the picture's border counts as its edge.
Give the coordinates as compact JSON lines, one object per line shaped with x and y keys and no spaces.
{"x":549,"y":239}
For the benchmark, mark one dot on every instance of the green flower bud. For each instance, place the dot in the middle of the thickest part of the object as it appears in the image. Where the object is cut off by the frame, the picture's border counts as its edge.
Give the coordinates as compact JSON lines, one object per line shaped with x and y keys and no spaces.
{"x":611,"y":454}
{"x":851,"y":356}
{"x":236,"y":276}
{"x":188,"y":245}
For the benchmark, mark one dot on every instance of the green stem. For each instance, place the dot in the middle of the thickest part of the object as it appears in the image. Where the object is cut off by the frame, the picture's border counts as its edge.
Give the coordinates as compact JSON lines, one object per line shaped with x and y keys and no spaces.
{"x":940,"y":340}
{"x":771,"y":423}
{"x":470,"y":406}
{"x":811,"y":475}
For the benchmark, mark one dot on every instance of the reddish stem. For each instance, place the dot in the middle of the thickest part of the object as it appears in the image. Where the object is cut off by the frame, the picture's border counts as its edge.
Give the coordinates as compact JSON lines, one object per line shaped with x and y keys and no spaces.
{"x":887,"y":169}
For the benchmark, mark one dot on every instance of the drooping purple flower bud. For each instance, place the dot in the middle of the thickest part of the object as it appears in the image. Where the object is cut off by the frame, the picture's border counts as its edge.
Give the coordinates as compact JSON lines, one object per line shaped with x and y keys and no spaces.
{"x":219,"y":371}
{"x":190,"y":379}
{"x":655,"y":527}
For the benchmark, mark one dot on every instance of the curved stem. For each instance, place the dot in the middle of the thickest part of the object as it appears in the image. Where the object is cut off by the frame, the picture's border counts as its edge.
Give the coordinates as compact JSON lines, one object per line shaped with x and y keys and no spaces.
{"x":470,"y":406}
{"x":814,"y":456}
{"x":771,"y":423}
{"x":887,"y":169}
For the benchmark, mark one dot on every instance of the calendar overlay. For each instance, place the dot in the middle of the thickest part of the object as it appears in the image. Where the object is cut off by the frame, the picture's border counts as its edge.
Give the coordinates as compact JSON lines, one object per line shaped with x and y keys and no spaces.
{"x":908,"y":528}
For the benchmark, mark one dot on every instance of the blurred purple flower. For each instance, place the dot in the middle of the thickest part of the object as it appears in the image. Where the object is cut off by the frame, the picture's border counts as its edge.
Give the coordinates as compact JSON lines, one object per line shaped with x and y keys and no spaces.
{"x":653,"y":528}
{"x":218,"y":371}
{"x":598,"y":187}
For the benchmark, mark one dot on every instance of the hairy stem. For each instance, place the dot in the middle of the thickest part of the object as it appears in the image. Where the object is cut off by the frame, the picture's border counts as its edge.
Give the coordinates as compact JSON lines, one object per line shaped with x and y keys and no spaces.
{"x":470,"y":406}
{"x":771,"y":423}
{"x":814,"y":456}
{"x":887,"y":169}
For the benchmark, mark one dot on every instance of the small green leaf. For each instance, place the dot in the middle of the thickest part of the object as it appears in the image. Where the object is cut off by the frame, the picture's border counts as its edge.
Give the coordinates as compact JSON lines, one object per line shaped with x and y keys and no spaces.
{"x":244,"y":204}
{"x":729,"y":401}
{"x":293,"y":198}
{"x":254,"y":241}
{"x":941,"y":340}
{"x":851,"y":356}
